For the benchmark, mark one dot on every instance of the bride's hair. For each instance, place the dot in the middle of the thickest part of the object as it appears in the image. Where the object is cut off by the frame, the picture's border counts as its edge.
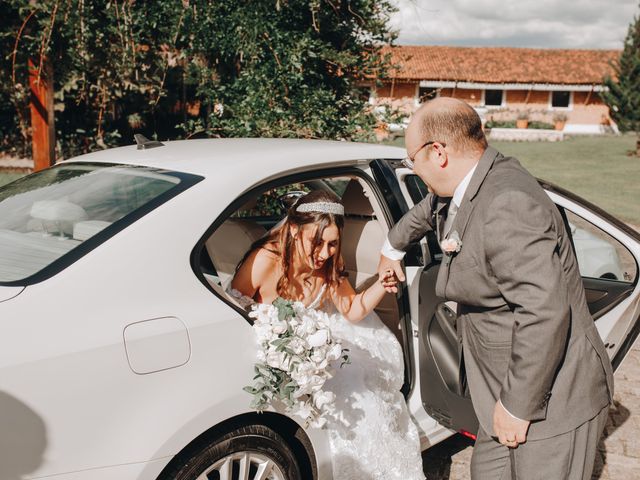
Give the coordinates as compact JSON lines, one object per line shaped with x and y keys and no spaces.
{"x":333,"y":268}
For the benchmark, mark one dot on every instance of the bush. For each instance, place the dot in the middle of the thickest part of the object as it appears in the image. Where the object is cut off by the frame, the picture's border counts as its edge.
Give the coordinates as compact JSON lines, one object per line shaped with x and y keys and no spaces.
{"x":500,"y":124}
{"x":168,"y":69}
{"x":540,"y":125}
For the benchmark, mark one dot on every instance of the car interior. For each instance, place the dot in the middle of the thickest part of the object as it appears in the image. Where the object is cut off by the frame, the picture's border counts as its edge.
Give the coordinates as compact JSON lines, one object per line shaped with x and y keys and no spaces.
{"x":362,"y":237}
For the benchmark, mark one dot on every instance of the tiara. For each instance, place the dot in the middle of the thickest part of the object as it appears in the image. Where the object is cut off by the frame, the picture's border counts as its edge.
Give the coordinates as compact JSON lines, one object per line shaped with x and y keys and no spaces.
{"x":321,"y":207}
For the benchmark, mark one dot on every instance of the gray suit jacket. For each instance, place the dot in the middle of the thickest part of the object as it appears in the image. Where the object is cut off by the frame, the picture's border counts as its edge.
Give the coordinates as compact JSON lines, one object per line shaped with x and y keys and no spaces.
{"x":527,"y":335}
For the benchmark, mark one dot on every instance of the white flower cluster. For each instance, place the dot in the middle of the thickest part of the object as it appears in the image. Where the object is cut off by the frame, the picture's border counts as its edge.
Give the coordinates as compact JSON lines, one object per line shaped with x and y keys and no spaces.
{"x":295,"y":357}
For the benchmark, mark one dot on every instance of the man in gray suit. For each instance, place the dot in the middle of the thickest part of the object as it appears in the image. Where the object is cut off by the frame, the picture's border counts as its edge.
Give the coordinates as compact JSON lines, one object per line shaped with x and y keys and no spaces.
{"x":539,"y":376}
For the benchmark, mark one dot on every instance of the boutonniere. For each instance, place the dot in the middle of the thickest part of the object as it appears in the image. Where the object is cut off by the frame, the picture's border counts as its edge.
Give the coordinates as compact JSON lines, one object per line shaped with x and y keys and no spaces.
{"x":452,"y":244}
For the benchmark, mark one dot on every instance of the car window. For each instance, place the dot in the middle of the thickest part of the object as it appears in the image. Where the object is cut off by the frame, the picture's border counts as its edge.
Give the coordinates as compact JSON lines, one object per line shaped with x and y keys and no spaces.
{"x":234,"y":238}
{"x":49,"y":214}
{"x":599,"y":254}
{"x":272,"y":205}
{"x":418,"y":191}
{"x":416,"y":187}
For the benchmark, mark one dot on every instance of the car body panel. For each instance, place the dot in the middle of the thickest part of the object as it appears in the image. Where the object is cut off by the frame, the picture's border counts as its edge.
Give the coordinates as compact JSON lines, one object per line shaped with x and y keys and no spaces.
{"x":75,"y":398}
{"x":78,"y":392}
{"x":7,"y":293}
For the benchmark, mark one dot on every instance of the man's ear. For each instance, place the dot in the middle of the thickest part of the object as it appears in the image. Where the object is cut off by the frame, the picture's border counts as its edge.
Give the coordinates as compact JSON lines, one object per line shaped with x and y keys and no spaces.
{"x":443,"y":158}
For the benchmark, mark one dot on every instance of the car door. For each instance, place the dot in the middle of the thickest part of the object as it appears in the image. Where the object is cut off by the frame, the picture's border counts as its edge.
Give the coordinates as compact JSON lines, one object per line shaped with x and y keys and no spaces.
{"x":607,"y":252}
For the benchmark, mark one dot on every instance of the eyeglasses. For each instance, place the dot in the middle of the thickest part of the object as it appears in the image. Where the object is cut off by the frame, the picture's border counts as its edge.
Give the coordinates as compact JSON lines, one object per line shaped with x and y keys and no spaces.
{"x":409,"y":161}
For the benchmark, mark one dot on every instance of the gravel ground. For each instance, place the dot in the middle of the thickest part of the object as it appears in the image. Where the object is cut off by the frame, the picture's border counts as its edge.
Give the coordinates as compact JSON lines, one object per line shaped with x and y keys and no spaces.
{"x":618,"y":453}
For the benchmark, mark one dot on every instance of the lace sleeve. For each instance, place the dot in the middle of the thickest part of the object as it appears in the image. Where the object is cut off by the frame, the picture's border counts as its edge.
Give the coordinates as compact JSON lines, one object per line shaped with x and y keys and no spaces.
{"x":242,"y":300}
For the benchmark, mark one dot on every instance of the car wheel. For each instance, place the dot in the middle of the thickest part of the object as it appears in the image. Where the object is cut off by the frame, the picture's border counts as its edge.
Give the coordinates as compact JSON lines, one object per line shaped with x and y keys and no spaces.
{"x":247,"y":453}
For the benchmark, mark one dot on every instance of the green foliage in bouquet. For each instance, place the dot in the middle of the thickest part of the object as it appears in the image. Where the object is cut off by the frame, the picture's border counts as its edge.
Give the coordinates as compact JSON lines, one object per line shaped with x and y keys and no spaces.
{"x":295,"y":355}
{"x":278,"y":384}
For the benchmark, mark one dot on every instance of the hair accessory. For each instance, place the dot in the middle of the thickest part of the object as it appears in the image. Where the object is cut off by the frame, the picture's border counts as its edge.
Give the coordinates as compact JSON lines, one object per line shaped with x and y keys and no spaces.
{"x":321,"y":207}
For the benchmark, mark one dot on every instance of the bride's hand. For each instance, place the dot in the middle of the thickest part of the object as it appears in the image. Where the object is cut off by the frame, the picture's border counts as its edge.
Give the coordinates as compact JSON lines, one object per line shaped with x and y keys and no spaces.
{"x":388,"y":280}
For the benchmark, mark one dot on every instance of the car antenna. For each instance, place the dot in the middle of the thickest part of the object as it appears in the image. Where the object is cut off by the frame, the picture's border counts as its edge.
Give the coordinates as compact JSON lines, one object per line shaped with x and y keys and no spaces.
{"x":144,"y":143}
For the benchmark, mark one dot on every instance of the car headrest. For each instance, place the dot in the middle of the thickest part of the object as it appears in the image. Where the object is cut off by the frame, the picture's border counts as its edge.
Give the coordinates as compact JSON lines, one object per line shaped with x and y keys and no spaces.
{"x":230,"y":242}
{"x":57,"y":211}
{"x":355,"y":200}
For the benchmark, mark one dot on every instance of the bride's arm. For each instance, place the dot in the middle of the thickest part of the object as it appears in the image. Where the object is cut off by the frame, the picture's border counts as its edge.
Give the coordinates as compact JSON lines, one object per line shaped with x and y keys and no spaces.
{"x":354,"y":307}
{"x":252,"y":273}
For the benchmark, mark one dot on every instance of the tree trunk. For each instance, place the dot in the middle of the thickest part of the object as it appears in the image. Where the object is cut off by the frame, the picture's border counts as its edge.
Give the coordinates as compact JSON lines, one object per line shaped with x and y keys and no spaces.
{"x":638,"y":146}
{"x":42,"y":118}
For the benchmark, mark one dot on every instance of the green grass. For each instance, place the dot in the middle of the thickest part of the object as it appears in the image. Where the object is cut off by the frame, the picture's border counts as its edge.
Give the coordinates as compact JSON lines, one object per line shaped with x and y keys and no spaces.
{"x":596,"y":168}
{"x":9,"y":177}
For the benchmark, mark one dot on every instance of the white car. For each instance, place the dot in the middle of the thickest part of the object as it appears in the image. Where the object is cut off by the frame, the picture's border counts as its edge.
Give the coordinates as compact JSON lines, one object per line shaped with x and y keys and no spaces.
{"x":121,"y":357}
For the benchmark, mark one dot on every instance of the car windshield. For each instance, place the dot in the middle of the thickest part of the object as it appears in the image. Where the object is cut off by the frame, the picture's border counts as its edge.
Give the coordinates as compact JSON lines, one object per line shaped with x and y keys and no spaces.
{"x":49,"y":214}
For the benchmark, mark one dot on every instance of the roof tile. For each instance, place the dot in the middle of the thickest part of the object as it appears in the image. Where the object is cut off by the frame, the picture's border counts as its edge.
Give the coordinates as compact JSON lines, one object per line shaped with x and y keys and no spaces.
{"x":502,"y":64}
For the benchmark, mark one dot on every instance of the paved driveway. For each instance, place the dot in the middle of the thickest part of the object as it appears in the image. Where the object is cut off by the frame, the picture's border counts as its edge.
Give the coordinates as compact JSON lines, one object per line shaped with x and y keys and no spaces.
{"x":618,"y":452}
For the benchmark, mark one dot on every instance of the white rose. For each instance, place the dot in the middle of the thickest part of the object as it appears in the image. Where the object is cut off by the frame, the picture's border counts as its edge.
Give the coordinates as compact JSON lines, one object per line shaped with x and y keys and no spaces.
{"x":319,"y":354}
{"x":318,"y":422}
{"x":316,"y":382}
{"x":279,"y":326}
{"x":302,"y":409}
{"x":298,"y":345}
{"x":322,"y":364}
{"x":264,"y":333}
{"x":261,"y":356}
{"x":319,"y":338}
{"x":307,"y":326}
{"x":276,"y":360}
{"x":335,"y":352}
{"x":321,"y":399}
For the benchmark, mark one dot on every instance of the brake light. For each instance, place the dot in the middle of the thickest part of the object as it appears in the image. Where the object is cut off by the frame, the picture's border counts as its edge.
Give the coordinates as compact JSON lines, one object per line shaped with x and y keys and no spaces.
{"x":467,"y":434}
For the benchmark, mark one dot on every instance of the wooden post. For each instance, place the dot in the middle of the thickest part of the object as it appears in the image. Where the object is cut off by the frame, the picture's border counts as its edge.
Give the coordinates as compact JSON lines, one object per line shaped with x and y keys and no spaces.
{"x":43,"y":129}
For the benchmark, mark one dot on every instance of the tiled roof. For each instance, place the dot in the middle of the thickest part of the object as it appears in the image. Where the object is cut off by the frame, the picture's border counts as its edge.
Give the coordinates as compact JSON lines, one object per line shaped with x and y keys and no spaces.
{"x":502,"y":65}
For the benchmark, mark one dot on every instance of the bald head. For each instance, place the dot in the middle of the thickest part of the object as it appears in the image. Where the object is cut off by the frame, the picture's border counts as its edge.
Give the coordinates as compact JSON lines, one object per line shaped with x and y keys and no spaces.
{"x":450,"y":121}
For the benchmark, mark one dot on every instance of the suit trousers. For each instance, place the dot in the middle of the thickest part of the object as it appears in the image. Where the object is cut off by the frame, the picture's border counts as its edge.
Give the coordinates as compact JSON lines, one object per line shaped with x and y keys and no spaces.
{"x":569,"y":456}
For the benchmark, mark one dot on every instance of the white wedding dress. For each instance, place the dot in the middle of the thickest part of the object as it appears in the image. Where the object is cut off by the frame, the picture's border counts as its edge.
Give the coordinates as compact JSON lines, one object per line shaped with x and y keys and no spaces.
{"x":371,"y":434}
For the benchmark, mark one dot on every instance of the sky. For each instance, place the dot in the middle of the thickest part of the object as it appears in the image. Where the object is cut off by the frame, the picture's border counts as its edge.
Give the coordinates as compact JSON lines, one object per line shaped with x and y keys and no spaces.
{"x":593,"y":24}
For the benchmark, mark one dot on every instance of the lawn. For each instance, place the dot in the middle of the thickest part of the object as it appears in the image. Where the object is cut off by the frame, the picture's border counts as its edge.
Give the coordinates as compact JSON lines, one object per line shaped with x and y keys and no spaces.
{"x":596,"y":168}
{"x":9,"y":177}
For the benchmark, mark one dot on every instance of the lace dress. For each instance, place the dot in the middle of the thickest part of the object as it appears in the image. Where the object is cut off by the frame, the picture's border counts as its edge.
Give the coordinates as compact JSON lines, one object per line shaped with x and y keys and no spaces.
{"x":371,"y":434}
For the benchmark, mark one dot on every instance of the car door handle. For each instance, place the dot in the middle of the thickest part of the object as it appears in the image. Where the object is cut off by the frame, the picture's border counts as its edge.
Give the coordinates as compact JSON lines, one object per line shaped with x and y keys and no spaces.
{"x":446,"y":318}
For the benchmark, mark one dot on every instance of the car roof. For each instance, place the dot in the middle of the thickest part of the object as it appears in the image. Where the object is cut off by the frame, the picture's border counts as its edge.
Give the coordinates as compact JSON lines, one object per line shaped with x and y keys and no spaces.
{"x":228,"y":156}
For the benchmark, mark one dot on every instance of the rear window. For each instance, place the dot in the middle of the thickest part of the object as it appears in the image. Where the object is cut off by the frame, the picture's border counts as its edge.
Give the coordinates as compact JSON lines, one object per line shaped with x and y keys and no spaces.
{"x":51,"y":218}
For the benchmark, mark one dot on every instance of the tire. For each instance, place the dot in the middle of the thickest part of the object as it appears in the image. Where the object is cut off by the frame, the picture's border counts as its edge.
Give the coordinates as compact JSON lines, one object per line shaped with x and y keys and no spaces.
{"x":253,"y":448}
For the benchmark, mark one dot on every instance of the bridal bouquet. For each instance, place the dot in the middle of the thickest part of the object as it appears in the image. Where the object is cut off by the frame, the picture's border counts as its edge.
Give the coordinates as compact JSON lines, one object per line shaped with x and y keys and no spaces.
{"x":295,"y":355}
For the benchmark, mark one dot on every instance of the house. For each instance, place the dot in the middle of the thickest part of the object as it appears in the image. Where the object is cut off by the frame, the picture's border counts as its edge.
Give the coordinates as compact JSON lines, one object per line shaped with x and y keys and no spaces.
{"x":504,"y":84}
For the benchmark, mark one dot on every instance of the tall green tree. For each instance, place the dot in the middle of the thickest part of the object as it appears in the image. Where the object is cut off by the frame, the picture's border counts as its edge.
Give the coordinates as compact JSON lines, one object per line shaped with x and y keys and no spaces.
{"x":623,"y":96}
{"x":183,"y":68}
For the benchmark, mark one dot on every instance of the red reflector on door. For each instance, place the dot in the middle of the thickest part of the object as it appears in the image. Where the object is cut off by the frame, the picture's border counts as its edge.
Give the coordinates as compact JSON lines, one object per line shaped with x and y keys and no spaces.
{"x":468,"y":434}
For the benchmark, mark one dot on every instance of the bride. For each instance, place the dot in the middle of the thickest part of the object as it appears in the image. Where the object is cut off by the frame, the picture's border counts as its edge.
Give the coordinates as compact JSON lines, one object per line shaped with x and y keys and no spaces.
{"x":371,"y":434}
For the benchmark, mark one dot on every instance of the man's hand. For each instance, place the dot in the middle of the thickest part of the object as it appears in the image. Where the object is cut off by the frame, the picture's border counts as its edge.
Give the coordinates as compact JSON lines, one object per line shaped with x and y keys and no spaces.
{"x":384,"y":266}
{"x":388,"y":280}
{"x":511,"y":431}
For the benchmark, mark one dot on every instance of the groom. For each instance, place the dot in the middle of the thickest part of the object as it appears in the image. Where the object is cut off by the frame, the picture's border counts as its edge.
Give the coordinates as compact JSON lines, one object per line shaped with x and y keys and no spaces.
{"x":539,"y":376}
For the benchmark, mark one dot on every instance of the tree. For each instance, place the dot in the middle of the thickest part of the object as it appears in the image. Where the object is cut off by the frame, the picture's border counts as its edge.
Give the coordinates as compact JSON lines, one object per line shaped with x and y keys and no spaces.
{"x":623,"y":96}
{"x":224,"y":68}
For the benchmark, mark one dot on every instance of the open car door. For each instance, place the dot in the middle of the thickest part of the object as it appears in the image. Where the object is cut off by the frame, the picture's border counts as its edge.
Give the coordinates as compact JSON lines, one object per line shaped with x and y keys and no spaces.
{"x":608,"y":253}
